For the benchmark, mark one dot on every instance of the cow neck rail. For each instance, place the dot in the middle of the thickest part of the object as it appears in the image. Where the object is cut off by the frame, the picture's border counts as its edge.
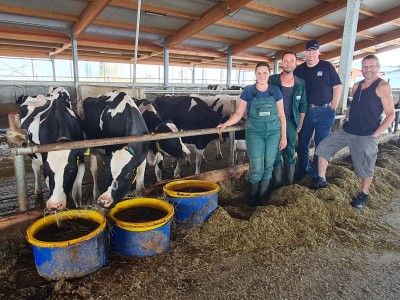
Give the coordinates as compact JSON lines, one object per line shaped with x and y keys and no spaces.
{"x":119,"y":140}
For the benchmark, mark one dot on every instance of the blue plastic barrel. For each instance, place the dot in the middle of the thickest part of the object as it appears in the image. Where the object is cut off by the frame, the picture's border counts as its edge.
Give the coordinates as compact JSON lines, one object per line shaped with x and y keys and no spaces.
{"x":72,"y":258}
{"x":141,"y":239}
{"x":192,"y":207}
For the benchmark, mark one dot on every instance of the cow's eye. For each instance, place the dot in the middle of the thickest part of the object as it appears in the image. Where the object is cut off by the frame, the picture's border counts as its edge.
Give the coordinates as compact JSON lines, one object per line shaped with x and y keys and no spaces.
{"x":114,"y":185}
{"x":128,"y":175}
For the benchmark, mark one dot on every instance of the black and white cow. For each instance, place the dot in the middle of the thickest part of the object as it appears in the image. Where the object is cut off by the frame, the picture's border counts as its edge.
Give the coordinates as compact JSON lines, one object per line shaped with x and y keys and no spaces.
{"x":190,"y":113}
{"x":172,"y":147}
{"x":113,"y":115}
{"x":222,"y":104}
{"x":49,"y":119}
{"x":62,"y":92}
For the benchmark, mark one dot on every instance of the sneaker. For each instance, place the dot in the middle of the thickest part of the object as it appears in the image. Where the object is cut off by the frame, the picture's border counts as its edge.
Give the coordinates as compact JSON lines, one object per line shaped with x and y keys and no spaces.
{"x":319,"y":183}
{"x":359,"y":201}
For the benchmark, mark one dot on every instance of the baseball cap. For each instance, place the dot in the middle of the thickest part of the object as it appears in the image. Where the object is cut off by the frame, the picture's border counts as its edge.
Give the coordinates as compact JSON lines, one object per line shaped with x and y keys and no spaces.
{"x":313,"y":44}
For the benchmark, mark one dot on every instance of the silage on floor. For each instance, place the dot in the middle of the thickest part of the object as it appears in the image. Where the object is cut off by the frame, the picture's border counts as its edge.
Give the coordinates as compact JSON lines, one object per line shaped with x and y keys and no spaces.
{"x":300,"y":219}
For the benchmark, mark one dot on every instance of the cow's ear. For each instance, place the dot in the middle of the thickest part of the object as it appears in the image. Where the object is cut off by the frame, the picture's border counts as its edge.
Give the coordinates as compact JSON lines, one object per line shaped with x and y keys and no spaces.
{"x":101,"y":151}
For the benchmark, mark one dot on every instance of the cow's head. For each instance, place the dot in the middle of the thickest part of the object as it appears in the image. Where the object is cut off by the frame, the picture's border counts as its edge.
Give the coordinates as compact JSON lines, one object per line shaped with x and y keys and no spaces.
{"x":60,"y":170}
{"x":174,"y":146}
{"x":61,"y":94}
{"x":119,"y":172}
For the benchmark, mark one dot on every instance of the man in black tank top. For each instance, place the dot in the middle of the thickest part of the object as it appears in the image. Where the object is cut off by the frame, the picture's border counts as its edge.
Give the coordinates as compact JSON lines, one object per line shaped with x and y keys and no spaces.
{"x":362,"y":127}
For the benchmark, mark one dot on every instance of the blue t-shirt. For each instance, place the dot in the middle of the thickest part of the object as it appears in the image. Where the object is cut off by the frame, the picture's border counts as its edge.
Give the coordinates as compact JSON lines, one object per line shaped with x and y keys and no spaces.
{"x":320,"y":80}
{"x":248,"y":95}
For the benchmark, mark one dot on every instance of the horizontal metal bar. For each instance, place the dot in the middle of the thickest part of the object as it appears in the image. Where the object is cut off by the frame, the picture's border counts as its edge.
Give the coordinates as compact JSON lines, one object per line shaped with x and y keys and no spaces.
{"x":119,"y":140}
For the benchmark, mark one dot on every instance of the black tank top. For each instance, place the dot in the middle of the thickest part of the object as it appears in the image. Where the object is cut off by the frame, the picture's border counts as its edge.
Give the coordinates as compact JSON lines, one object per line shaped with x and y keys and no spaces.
{"x":365,"y":110}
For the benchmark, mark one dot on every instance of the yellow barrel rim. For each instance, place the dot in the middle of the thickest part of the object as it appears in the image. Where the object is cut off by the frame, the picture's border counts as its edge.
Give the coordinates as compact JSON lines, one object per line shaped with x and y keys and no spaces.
{"x":142,"y":202}
{"x":171,"y":187}
{"x":64,"y":215}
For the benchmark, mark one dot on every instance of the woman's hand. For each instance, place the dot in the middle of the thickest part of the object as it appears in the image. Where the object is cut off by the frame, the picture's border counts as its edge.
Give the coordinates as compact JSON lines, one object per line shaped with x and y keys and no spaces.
{"x":221,"y":126}
{"x":282,"y":143}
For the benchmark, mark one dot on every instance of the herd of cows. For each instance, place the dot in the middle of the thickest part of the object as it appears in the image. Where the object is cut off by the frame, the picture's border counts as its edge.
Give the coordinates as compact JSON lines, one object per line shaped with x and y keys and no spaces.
{"x":50,"y":119}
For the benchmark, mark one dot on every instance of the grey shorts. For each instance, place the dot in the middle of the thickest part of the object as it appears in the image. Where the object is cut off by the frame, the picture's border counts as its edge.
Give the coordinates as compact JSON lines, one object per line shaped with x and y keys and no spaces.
{"x":363,"y":150}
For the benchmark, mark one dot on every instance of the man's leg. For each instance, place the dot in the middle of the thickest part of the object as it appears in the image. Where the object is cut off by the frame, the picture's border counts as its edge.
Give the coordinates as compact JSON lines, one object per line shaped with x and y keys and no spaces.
{"x":325,"y":117}
{"x":364,"y":152}
{"x":362,"y":197}
{"x":289,"y":153}
{"x":325,"y":151}
{"x":303,"y":147}
{"x":365,"y":184}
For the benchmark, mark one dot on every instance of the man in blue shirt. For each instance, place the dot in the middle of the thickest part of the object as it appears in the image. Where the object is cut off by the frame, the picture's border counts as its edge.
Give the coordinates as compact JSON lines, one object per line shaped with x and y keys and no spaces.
{"x":323,"y":91}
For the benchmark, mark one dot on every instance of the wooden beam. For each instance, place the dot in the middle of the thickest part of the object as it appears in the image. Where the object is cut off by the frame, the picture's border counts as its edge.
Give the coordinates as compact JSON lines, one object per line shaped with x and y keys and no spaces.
{"x":214,"y":38}
{"x":271,"y":46}
{"x":383,"y":38}
{"x":16,"y":33}
{"x":368,"y":12}
{"x":92,"y":10}
{"x":197,"y":52}
{"x":270,"y":10}
{"x":110,"y":43}
{"x":63,"y":47}
{"x":239,"y":25}
{"x":212,"y":15}
{"x":155,"y":9}
{"x":327,"y":25}
{"x":314,"y":13}
{"x":17,"y":10}
{"x":127,"y":26}
{"x":383,"y":17}
{"x":26,"y":43}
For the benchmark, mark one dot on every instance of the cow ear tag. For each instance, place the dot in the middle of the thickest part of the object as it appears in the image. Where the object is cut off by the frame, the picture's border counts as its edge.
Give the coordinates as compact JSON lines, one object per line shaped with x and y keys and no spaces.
{"x":134,"y":178}
{"x":158,"y":146}
{"x":130,"y":150}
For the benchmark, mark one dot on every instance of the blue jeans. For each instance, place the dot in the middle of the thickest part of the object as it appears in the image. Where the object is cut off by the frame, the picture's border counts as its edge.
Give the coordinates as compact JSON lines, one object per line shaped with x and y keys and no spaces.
{"x":321,"y":120}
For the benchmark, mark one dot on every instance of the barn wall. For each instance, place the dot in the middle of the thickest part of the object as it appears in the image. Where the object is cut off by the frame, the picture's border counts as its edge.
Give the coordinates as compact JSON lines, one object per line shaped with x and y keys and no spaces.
{"x":11,"y":90}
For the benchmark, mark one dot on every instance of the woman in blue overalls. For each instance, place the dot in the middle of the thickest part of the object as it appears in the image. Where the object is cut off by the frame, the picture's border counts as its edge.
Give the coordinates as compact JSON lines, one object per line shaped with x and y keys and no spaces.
{"x":265,"y":131}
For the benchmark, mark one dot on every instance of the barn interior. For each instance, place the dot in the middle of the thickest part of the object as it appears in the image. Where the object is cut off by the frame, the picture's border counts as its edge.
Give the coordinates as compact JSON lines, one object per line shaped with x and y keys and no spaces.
{"x":306,"y":245}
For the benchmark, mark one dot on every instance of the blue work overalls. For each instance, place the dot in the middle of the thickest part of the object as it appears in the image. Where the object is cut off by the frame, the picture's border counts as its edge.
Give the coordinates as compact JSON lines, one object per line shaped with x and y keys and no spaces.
{"x":262,"y":137}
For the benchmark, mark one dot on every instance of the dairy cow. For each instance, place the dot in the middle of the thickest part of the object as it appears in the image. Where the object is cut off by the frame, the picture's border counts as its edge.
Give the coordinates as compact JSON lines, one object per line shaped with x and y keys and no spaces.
{"x":222,"y":104}
{"x":172,"y":147}
{"x":113,"y":115}
{"x":49,"y":119}
{"x":189,"y":113}
{"x":62,"y":92}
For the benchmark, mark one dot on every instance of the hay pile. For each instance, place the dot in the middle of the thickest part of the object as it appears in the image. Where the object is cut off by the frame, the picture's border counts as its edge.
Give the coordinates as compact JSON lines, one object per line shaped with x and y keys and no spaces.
{"x":300,"y":219}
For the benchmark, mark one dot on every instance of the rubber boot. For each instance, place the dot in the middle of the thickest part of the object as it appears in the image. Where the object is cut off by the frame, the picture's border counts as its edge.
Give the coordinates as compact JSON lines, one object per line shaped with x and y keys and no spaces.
{"x":289,"y":174}
{"x":277,"y":177}
{"x":263,"y":193}
{"x":251,"y":199}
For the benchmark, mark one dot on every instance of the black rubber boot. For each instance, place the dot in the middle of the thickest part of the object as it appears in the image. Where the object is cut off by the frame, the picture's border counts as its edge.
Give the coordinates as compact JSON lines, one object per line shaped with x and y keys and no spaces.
{"x":251,"y":199}
{"x":277,"y":177}
{"x":289,"y":174}
{"x":263,"y":193}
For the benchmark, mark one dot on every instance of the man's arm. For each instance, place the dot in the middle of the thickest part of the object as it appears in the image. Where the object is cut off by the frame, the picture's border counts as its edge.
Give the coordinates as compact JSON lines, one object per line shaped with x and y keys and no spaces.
{"x":337,"y":92}
{"x":353,"y":91}
{"x":384,"y":91}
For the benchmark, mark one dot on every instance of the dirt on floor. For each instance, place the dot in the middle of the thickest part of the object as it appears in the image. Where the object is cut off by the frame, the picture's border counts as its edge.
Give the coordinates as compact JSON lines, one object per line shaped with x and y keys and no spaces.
{"x":305,"y":245}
